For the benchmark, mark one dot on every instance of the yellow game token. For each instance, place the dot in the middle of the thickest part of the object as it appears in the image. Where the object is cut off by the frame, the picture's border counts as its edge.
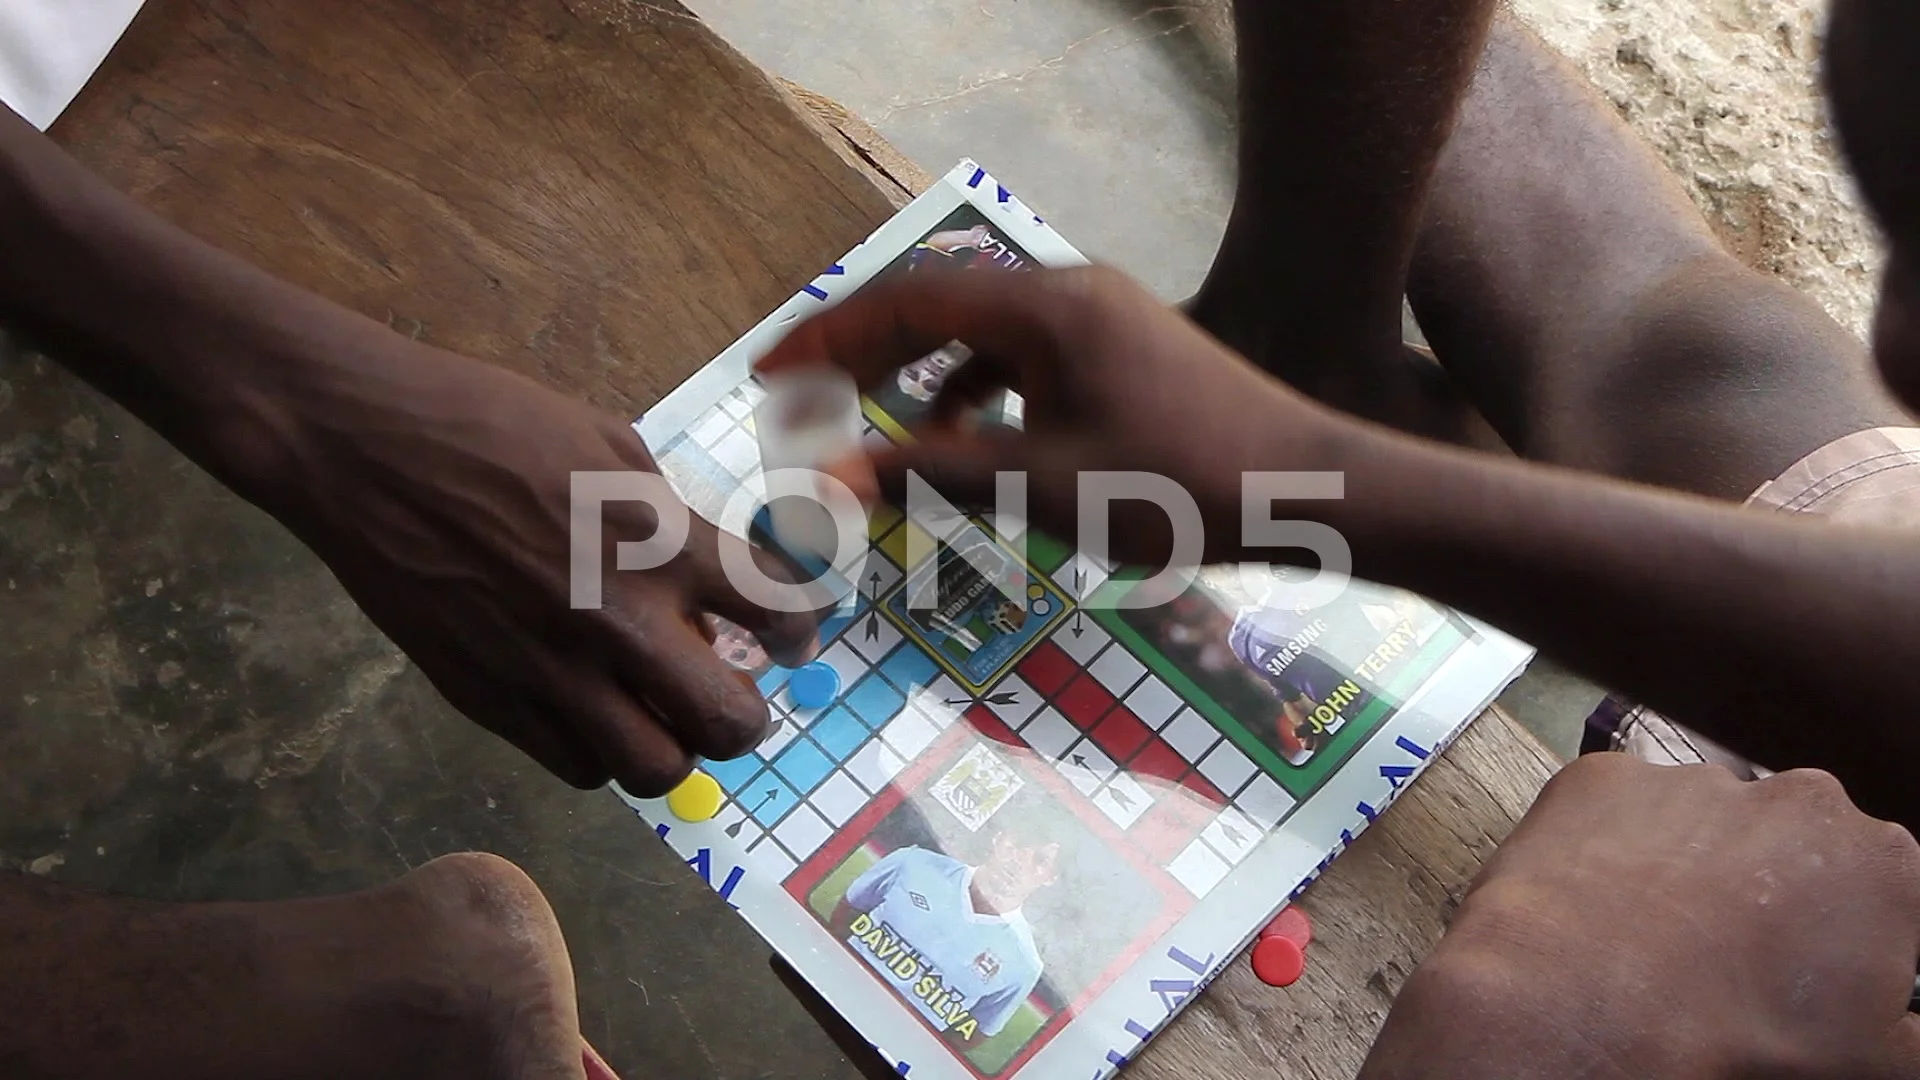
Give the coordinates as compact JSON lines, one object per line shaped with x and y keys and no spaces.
{"x":697,"y":798}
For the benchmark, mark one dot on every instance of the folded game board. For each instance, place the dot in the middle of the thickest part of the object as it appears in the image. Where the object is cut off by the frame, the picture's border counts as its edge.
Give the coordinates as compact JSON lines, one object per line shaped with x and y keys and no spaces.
{"x":1030,"y":826}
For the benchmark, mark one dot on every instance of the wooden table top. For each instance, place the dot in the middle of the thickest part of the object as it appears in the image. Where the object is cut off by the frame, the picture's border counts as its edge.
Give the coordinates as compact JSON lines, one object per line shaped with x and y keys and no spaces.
{"x":601,"y":194}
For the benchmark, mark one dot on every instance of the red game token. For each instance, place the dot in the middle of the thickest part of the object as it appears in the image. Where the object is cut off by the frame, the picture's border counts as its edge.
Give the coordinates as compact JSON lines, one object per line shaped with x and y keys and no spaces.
{"x":1277,"y":961}
{"x":1292,"y":924}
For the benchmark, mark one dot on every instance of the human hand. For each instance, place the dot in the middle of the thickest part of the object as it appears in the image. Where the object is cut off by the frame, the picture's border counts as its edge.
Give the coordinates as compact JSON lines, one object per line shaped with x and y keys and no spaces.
{"x":438,"y":490}
{"x":1645,"y":921}
{"x":1114,"y":381}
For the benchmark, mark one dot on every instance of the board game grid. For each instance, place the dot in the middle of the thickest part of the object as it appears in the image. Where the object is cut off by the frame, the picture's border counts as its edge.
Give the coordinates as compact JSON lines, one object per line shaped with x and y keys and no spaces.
{"x":1166,"y":785}
{"x":1088,"y":702}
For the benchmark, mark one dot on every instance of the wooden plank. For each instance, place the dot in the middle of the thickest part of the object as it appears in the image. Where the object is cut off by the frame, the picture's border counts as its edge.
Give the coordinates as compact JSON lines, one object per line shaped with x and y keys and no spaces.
{"x":894,"y":171}
{"x":598,"y":192}
{"x":1377,"y":911}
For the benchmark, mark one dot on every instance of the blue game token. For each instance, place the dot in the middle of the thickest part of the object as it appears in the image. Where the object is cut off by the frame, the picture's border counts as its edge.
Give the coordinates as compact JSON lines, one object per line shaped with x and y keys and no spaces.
{"x":815,"y":685}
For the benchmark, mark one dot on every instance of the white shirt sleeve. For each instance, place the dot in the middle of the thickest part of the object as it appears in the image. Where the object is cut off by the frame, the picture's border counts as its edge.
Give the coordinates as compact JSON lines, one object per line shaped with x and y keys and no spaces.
{"x":50,"y":48}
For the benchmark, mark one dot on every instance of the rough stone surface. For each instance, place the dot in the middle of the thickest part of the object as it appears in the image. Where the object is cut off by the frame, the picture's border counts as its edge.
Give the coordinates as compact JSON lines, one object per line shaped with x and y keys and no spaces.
{"x":1728,"y":92}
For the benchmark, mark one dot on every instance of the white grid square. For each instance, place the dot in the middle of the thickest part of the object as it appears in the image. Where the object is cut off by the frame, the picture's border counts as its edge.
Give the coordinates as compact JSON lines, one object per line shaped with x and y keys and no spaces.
{"x":676,"y":468}
{"x":1091,"y":576}
{"x":934,"y":705}
{"x":1090,"y":640}
{"x":712,"y":427}
{"x":1154,"y":702}
{"x":699,"y":491}
{"x":802,"y":831}
{"x":841,"y":658}
{"x":1227,"y":767}
{"x":1265,"y":802}
{"x":1123,"y":800}
{"x":839,"y":798}
{"x":797,"y":717}
{"x":1190,"y":735}
{"x":785,"y":728}
{"x":1198,"y":868}
{"x":909,"y":732}
{"x":1049,"y":733}
{"x":1085,"y":766}
{"x":735,"y":405}
{"x":889,"y":574}
{"x":1026,"y":701}
{"x":875,"y":766}
{"x":1232,"y":835}
{"x":1117,"y":670}
{"x":767,"y":858}
{"x":943,"y":688}
{"x":733,"y":814}
{"x":884,"y":636}
{"x":738,"y":453}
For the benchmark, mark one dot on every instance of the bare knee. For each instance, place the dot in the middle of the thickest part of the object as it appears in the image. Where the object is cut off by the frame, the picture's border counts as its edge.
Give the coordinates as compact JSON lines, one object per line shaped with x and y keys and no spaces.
{"x":1713,"y":379}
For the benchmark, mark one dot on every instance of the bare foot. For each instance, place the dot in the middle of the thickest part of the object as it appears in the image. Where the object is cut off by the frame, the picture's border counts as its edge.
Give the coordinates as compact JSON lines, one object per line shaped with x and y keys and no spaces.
{"x":457,"y":970}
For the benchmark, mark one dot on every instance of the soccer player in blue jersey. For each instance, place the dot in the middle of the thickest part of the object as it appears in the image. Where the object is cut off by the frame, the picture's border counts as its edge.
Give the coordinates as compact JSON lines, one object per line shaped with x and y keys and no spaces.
{"x":1285,"y":648}
{"x":963,"y":924}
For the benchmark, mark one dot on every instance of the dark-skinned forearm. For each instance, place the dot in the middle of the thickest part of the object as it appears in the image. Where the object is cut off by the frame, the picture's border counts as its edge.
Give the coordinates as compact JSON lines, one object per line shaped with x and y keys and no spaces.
{"x":193,"y":341}
{"x":1793,"y":641}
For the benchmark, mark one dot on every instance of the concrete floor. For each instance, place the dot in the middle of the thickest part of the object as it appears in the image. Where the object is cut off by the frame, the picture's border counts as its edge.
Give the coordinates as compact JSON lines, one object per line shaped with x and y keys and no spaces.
{"x":1111,"y":118}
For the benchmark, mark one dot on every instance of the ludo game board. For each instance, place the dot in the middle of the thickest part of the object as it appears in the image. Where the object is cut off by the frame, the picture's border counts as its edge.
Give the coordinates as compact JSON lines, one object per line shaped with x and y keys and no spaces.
{"x":1028,"y":828}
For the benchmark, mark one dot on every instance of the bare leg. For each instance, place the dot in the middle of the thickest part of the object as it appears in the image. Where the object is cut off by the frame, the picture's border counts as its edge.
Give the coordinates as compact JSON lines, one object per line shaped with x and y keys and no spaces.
{"x":1345,"y":106}
{"x":1570,"y":287}
{"x":456,"y":971}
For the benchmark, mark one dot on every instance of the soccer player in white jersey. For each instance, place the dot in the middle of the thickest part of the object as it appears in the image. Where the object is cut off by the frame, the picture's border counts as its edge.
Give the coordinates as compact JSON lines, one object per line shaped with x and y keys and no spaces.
{"x":963,"y":922}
